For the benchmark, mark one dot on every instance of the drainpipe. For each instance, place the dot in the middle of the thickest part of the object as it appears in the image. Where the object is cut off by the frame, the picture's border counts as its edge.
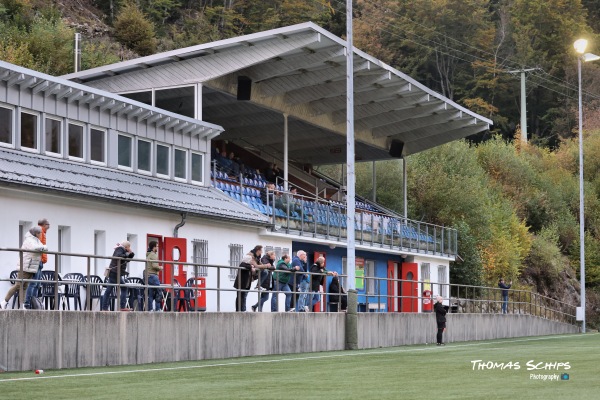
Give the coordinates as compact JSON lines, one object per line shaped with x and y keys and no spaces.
{"x":179,"y":225}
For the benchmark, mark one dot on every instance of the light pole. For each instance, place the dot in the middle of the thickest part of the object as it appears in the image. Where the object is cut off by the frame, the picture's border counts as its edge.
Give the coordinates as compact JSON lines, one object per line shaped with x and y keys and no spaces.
{"x":580,"y":46}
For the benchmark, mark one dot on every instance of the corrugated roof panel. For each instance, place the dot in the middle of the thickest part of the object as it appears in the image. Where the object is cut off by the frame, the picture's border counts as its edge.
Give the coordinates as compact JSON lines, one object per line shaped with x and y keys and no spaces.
{"x":83,"y":179}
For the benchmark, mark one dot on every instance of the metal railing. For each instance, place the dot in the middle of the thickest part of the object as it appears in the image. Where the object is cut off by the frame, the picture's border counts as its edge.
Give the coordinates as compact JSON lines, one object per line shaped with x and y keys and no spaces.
{"x":315,"y":217}
{"x":458,"y":298}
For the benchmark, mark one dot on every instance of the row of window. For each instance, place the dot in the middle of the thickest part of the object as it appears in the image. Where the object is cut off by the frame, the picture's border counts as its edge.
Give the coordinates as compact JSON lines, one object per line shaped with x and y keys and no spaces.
{"x":67,"y":138}
{"x":155,"y":158}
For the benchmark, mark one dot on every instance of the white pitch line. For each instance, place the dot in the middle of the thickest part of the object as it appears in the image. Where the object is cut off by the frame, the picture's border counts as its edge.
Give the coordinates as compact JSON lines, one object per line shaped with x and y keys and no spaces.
{"x":363,"y":353}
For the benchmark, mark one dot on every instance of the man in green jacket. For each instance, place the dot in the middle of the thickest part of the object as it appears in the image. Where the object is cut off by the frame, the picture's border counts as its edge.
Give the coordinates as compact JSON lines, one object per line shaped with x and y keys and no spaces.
{"x":281,"y":279}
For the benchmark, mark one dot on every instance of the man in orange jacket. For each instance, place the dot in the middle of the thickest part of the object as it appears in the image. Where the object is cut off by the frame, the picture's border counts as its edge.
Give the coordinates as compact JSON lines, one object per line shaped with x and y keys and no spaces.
{"x":32,"y":289}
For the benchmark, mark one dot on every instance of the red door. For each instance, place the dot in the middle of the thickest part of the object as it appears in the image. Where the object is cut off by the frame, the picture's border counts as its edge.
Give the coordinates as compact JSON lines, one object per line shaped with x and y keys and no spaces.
{"x":410,"y":288}
{"x":393,"y":287}
{"x":317,"y":307}
{"x":175,"y":249}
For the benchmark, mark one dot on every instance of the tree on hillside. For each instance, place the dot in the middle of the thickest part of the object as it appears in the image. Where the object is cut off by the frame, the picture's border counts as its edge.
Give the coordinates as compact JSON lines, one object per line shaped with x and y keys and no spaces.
{"x":135,"y":31}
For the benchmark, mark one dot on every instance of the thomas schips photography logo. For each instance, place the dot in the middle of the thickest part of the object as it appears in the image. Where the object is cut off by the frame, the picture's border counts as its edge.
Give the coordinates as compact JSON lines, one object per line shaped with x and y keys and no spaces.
{"x":535,"y":368}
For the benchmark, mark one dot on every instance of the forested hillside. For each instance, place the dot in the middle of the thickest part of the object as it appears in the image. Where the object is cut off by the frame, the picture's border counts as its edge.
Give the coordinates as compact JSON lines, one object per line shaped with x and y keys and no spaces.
{"x":516,"y":207}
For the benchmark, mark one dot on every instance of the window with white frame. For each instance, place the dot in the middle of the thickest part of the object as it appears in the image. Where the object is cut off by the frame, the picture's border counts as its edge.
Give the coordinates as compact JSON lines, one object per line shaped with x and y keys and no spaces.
{"x":53,"y":135}
{"x":99,"y":246}
{"x":144,"y":156}
{"x":180,"y":164}
{"x":162,"y":160}
{"x":236,"y":253}
{"x":75,"y":140}
{"x":125,"y":153}
{"x":443,"y":281}
{"x":6,"y":125}
{"x":29,"y":130}
{"x":369,"y":275}
{"x":197,"y":168}
{"x":200,"y":248}
{"x":24,"y":227}
{"x":64,"y":246}
{"x":98,"y":145}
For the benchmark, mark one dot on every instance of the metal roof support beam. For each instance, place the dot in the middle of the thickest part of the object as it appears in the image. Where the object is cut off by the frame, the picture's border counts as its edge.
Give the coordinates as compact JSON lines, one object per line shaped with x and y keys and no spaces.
{"x":375,"y":108}
{"x":284,"y":65}
{"x":64,"y":93}
{"x":125,"y":110}
{"x":154,"y":118}
{"x":272,"y":87}
{"x":41,"y":87}
{"x":211,"y":134}
{"x":437,"y":129}
{"x":108,"y":105}
{"x":100,"y":100}
{"x":78,"y":95}
{"x":29,"y":82}
{"x":87,"y":99}
{"x":163,"y":121}
{"x":54,"y":88}
{"x":144,"y":115}
{"x":15,"y":79}
{"x":118,"y":108}
{"x":187,"y":128}
{"x":331,"y":89}
{"x":441,"y":117}
{"x":448,"y":136}
{"x":173,"y":124}
{"x":5,"y":75}
{"x":387,"y":123}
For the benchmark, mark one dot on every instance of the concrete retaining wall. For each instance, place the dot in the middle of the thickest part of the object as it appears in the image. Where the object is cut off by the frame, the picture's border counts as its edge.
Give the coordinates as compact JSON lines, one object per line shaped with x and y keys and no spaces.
{"x":397,"y":329}
{"x":58,"y":339}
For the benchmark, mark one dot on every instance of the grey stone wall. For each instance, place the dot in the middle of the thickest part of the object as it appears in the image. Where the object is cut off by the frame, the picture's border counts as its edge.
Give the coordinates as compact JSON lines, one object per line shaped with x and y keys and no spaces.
{"x":57,"y":339}
{"x":398,"y":329}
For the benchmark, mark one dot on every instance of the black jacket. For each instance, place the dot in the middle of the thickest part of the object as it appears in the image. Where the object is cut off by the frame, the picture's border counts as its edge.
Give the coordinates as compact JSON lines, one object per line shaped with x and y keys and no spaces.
{"x":316,"y":279}
{"x":244,"y":277}
{"x":440,"y":313}
{"x":265,"y":274}
{"x":505,"y":288}
{"x":116,"y":264}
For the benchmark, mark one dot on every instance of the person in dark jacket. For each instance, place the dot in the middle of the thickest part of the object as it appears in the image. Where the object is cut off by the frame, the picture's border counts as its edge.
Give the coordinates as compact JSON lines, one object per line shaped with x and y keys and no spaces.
{"x":504,"y":288}
{"x":337,"y":294}
{"x":317,"y":278}
{"x":247,"y":272}
{"x":281,"y":279}
{"x":440,"y":318}
{"x":118,"y":268}
{"x":264,"y":279}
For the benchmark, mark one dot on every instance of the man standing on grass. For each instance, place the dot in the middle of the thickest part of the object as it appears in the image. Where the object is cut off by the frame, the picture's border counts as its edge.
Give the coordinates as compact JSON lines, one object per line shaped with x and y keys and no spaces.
{"x":440,"y":318}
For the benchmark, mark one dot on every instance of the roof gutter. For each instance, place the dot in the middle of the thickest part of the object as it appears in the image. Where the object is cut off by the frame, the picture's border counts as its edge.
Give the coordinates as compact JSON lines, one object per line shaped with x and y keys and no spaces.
{"x":179,"y":225}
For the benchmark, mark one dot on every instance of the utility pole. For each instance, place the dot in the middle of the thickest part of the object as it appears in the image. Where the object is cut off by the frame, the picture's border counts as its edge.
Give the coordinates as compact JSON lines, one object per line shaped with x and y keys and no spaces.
{"x":523,"y":101}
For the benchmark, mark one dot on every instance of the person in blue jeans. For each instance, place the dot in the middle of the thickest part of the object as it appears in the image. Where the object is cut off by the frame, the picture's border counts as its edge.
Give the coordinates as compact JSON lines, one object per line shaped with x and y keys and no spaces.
{"x":504,"y":288}
{"x":33,"y":288}
{"x":317,"y":271}
{"x":264,"y":279}
{"x":300,"y":262}
{"x":118,"y":265}
{"x":281,"y":279}
{"x":152,"y":270}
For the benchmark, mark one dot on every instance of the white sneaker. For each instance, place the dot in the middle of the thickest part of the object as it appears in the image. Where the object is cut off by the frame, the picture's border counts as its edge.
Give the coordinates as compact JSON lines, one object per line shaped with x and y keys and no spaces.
{"x":306,"y":309}
{"x":23,"y":307}
{"x":3,"y":305}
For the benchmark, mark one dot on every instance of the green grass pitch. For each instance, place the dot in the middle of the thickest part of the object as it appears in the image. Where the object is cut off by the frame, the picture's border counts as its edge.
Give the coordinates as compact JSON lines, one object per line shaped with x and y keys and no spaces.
{"x":408,"y":372}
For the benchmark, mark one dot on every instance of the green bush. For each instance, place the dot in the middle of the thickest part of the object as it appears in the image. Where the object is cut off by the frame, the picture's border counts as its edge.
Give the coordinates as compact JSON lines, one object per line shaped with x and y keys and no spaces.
{"x":135,"y":31}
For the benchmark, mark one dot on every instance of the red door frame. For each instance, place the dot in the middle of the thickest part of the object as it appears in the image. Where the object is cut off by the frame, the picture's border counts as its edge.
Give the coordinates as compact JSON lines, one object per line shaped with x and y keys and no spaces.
{"x":393,"y":286}
{"x":410,"y":287}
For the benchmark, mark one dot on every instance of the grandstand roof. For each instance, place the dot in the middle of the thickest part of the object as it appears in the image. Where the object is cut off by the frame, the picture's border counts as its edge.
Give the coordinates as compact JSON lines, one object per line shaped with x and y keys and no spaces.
{"x":299,"y":70}
{"x":51,"y":174}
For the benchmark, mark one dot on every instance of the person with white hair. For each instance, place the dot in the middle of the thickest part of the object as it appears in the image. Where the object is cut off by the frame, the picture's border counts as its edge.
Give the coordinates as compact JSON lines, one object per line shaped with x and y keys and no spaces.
{"x":31,"y":262}
{"x":32,"y":289}
{"x":302,"y":280}
{"x":118,"y":266}
{"x":440,"y":319}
